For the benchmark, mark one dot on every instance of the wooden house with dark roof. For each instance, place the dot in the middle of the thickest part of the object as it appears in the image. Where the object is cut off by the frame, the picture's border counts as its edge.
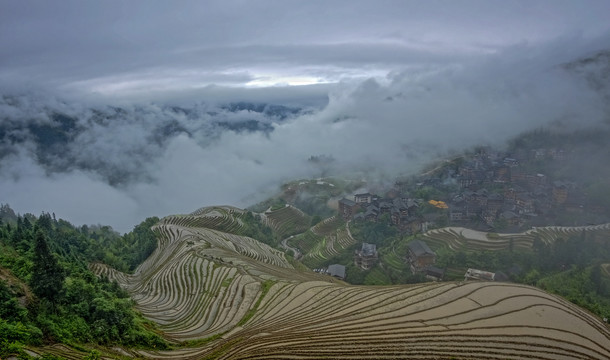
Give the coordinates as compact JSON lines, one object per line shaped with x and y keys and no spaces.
{"x":495,"y":202}
{"x":457,"y":212}
{"x":433,"y":273}
{"x":385,"y":207}
{"x":359,"y":217}
{"x":420,"y":256}
{"x":371,"y":213}
{"x":336,"y":270}
{"x":347,"y":208}
{"x":366,"y":257}
{"x":366,"y":198}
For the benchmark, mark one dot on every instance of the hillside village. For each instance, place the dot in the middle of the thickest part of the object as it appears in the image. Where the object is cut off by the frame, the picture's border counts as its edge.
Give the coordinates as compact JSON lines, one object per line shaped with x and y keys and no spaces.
{"x":489,"y":190}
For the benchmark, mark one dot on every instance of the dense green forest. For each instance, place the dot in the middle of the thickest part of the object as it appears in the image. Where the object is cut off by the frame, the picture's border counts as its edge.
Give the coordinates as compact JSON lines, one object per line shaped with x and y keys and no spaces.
{"x":48,"y":294}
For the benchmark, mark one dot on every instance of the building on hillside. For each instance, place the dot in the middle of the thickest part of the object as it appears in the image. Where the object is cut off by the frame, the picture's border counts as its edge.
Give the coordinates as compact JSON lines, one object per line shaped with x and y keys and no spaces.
{"x":336,"y":270}
{"x":347,"y":208}
{"x":458,"y":211}
{"x":474,"y":274}
{"x":511,"y":218}
{"x":365,"y":198}
{"x":431,"y":220}
{"x":366,"y":257}
{"x":560,"y":192}
{"x":511,"y":162}
{"x":359,"y":217}
{"x":524,"y":203}
{"x":420,"y":256}
{"x":489,"y":216}
{"x":433,"y":273}
{"x":371,"y":212}
{"x":495,"y":202}
{"x":501,"y":174}
{"x":385,"y":207}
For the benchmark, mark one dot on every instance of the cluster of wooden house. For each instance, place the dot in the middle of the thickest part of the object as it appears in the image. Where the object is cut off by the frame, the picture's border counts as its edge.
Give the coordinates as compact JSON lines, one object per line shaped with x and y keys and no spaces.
{"x":518,"y":196}
{"x":420,"y":258}
{"x":401,"y":211}
{"x":493,"y":189}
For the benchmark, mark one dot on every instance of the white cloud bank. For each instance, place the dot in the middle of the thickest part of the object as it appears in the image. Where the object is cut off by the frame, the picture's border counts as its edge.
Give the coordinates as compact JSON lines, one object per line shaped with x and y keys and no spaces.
{"x":389,"y":127}
{"x":397,"y":83}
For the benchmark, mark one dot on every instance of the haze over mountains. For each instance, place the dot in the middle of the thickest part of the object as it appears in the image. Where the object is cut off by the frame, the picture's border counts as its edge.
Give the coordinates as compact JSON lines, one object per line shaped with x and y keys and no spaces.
{"x":118,"y":164}
{"x":105,"y":118}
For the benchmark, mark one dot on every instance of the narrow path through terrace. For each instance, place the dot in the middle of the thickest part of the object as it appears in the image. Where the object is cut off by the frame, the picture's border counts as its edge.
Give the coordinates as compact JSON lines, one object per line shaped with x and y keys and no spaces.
{"x":297,"y":252}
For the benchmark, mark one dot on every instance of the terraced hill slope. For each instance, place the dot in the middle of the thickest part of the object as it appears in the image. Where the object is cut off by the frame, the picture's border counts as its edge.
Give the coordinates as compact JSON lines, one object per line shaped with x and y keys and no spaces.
{"x":248,"y":302}
{"x":322,"y":241}
{"x":457,"y":238}
{"x":287,"y":221}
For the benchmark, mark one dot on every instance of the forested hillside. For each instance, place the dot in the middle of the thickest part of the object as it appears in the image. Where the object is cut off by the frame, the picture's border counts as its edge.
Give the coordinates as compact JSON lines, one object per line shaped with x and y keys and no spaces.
{"x":48,"y":294}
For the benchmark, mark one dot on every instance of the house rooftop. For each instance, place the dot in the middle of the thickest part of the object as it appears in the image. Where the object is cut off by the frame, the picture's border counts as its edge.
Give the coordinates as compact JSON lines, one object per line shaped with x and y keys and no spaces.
{"x":336,"y":270}
{"x":370,"y":212}
{"x":495,"y":196}
{"x":479,"y":275}
{"x":369,"y":249}
{"x":435,"y":272}
{"x":347,"y":202}
{"x":419,"y":248}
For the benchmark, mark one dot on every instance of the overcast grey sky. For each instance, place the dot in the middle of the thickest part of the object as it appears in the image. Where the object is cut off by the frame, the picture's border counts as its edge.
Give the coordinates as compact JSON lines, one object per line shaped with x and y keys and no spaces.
{"x":405,"y":81}
{"x":126,"y":48}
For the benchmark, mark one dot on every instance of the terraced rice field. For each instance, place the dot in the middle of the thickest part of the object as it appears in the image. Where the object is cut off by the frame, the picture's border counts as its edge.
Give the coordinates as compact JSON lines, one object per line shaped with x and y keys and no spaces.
{"x":220,"y":218}
{"x":287,"y":221}
{"x":323,"y":241}
{"x":327,"y":226}
{"x":457,"y":238}
{"x":202,"y":282}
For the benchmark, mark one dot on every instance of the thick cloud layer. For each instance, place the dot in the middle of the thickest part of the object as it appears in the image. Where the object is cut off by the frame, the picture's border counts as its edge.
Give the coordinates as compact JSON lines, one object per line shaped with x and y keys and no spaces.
{"x":153,"y":48}
{"x":118,"y":165}
{"x":115,"y":111}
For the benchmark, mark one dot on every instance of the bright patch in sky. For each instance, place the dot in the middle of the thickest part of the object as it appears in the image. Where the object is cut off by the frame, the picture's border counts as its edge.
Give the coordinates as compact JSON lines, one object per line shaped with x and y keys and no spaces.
{"x":278,"y":80}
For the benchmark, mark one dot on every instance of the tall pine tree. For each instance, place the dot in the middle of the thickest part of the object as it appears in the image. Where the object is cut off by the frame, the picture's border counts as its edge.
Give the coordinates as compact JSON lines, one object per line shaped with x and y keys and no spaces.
{"x":47,"y":275}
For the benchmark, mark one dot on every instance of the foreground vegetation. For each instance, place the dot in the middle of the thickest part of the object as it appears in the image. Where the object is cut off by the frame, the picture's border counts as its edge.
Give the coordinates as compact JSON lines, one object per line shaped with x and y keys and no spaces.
{"x":48,"y":295}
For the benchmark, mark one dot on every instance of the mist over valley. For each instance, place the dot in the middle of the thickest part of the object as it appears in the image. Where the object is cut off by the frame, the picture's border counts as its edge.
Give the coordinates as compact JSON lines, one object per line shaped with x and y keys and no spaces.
{"x":347,"y":180}
{"x":64,"y":155}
